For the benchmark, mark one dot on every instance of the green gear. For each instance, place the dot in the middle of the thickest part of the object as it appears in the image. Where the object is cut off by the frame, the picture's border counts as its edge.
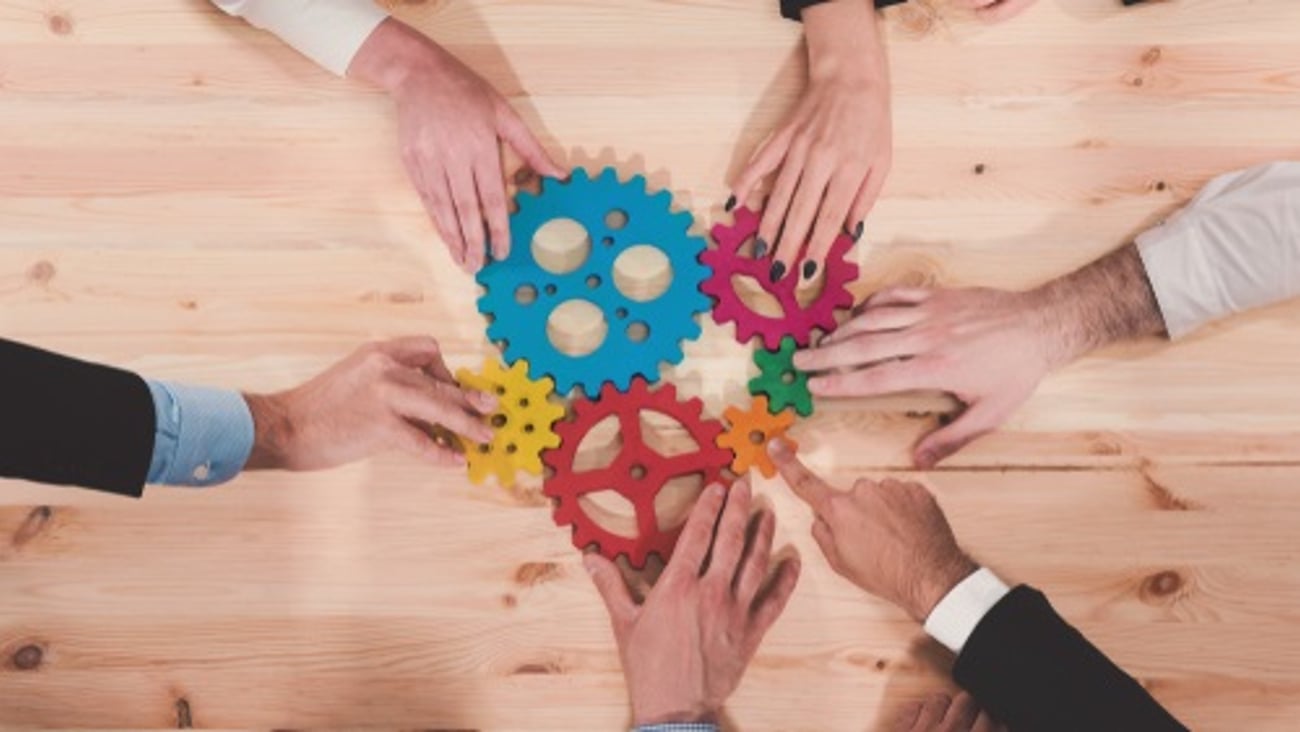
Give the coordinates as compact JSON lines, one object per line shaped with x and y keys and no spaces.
{"x":784,"y":385}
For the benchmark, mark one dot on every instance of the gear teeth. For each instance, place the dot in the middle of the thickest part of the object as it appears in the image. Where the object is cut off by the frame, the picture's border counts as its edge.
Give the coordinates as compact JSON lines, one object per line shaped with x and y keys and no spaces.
{"x":743,"y":424}
{"x":520,"y":402}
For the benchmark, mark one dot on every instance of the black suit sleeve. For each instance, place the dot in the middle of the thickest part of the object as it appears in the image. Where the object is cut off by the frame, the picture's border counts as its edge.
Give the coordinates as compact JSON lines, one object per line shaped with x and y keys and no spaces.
{"x":1033,"y":671}
{"x":75,"y":423}
{"x":793,"y":9}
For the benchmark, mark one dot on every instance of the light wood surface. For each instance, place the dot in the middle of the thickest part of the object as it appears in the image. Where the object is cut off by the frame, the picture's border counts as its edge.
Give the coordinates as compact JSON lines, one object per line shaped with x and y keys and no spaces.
{"x":182,"y":195}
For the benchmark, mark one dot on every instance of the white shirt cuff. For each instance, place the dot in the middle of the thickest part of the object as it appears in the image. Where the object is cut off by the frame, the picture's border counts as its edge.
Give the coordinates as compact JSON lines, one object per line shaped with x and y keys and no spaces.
{"x":329,"y":32}
{"x":954,"y":619}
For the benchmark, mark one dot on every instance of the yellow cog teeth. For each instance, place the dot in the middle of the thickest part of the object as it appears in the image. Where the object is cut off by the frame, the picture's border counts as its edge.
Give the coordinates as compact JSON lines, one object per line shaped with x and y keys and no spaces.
{"x":529,"y":420}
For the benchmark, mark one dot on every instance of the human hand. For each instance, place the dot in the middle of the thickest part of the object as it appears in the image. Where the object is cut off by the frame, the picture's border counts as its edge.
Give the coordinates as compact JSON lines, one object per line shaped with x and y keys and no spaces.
{"x":890,"y":538}
{"x":451,"y":124}
{"x":833,"y":152}
{"x":988,"y":348}
{"x":686,"y":647}
{"x":995,"y":11}
{"x":943,"y":713}
{"x":385,"y":395}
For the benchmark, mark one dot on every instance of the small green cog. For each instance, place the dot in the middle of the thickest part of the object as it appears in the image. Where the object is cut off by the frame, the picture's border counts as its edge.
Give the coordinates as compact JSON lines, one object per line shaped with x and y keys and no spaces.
{"x":782,"y":383}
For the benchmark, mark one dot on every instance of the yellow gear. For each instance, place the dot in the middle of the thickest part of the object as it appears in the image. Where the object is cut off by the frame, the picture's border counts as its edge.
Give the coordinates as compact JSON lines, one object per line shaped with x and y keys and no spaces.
{"x":522,"y":425}
{"x":749,"y":432}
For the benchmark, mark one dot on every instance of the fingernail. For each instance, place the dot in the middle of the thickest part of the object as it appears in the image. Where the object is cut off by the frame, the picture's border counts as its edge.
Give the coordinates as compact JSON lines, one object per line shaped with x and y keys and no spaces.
{"x":776,"y":448}
{"x":589,"y":563}
{"x":717,"y":490}
{"x":760,"y":248}
{"x":778,"y":271}
{"x":816,"y":385}
{"x":857,"y":233}
{"x":731,"y":203}
{"x":809,"y":269}
{"x":925,"y":460}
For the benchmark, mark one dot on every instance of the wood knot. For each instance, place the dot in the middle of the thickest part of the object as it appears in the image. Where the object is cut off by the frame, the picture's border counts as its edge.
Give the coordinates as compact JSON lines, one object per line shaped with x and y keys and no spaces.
{"x":42,"y":272}
{"x":549,"y":667}
{"x":535,"y":573}
{"x":31,"y":527}
{"x":1152,"y":56}
{"x":29,"y":657}
{"x":1160,"y":185}
{"x":1160,"y":586}
{"x":509,"y":600}
{"x":60,"y":24}
{"x":980,"y":168}
{"x":881,"y":664}
{"x":184,"y":715}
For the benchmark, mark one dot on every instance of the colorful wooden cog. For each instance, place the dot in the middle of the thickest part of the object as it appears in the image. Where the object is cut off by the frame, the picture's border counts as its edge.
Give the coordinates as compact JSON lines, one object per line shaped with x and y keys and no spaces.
{"x":785,"y":386}
{"x":638,"y":473}
{"x":797,"y":321}
{"x":523,"y":423}
{"x":750,"y":431}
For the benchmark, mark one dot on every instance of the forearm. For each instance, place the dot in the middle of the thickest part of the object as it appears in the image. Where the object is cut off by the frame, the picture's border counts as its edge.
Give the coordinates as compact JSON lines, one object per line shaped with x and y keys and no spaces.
{"x":393,"y":54}
{"x":843,"y":38}
{"x":327,"y":31}
{"x":1107,"y":301}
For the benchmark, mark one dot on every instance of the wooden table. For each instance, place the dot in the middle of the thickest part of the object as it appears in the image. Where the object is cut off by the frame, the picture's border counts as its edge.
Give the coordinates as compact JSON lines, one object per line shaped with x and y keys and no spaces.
{"x":182,"y":195}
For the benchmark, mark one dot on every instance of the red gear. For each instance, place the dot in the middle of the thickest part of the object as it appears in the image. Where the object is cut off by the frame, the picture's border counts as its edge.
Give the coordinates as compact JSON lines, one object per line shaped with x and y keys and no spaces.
{"x":634,"y":459}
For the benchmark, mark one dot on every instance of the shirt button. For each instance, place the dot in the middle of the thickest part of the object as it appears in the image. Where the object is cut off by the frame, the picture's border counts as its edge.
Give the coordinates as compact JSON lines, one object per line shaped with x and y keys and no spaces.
{"x":202,"y":472}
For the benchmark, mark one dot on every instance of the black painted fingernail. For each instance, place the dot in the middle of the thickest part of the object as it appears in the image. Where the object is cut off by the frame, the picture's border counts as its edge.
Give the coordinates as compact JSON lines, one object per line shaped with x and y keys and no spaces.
{"x":760,"y":248}
{"x":809,"y":269}
{"x":857,"y":233}
{"x":778,"y":271}
{"x":731,"y":203}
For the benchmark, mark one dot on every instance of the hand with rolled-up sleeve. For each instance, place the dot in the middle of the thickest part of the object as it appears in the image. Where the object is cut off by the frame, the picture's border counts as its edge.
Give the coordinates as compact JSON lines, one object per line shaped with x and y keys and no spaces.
{"x":451,"y":122}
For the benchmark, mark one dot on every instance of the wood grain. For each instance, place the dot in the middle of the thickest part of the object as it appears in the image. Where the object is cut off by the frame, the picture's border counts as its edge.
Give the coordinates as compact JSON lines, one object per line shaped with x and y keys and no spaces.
{"x":182,"y":195}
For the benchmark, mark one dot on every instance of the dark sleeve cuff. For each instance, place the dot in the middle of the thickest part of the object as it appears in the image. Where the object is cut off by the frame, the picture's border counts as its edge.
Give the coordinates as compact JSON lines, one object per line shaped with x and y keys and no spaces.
{"x":73,"y":423}
{"x":793,"y":9}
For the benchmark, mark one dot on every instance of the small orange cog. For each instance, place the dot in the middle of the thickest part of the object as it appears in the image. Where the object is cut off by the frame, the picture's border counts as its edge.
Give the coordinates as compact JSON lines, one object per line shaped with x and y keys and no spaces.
{"x":749,"y":432}
{"x":522,"y":425}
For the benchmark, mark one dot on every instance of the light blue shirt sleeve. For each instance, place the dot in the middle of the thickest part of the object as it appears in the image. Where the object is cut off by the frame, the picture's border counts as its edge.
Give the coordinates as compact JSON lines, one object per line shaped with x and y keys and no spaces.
{"x":678,"y":727}
{"x":203,"y":435}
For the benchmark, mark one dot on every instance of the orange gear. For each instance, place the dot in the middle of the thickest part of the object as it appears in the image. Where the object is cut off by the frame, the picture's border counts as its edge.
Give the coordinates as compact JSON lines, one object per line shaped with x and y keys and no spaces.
{"x":522,"y":425}
{"x":749,"y":432}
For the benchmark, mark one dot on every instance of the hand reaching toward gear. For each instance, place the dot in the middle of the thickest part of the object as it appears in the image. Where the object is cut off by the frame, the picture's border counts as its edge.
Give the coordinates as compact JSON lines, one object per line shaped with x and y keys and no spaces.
{"x":995,"y":11}
{"x":451,"y":124}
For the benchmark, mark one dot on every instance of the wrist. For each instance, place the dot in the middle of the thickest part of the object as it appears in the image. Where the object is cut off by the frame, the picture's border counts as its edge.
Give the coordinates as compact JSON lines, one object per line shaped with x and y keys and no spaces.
{"x":273,"y":430}
{"x":843,"y":42}
{"x":938,"y":583}
{"x":689,"y":713}
{"x":1050,"y":312}
{"x":392,"y":55}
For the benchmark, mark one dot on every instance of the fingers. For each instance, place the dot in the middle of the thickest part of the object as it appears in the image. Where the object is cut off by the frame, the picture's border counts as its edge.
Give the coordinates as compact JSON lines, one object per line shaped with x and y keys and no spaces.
{"x":729,"y":540}
{"x":985,"y":723}
{"x":417,"y":352}
{"x":765,"y":161}
{"x":758,"y":557}
{"x":961,"y":714}
{"x":436,"y":196}
{"x":434,"y":402}
{"x":697,"y":535}
{"x":906,"y":721}
{"x":932,"y":711}
{"x":862,"y":350}
{"x":416,"y":442}
{"x":491,"y":188}
{"x":887,"y":378}
{"x":807,"y":485}
{"x":612,"y":589}
{"x":773,"y":599}
{"x":978,"y":419}
{"x":778,"y":203}
{"x":470,"y":216}
{"x":516,"y":134}
{"x":866,"y":198}
{"x":876,"y":320}
{"x":830,"y":222}
{"x":898,"y":296}
{"x":808,"y":197}
{"x":825,"y":538}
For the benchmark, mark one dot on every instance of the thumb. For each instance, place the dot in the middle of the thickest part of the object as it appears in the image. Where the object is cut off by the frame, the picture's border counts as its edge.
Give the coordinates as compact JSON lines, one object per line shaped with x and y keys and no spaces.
{"x":517,"y":135}
{"x":978,"y":419}
{"x":613,"y":590}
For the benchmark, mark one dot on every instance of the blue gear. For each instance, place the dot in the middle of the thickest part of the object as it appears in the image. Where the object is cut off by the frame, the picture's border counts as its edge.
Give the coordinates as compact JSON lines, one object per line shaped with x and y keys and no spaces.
{"x":670,"y":317}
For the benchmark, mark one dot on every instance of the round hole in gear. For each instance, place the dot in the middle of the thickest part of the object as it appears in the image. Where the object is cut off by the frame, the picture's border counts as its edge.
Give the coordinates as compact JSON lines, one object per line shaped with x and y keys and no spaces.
{"x":561,"y":245}
{"x":607,"y":241}
{"x":757,"y":437}
{"x":787,"y":377}
{"x":528,"y":429}
{"x":511,"y":449}
{"x":643,"y":273}
{"x":620,"y":313}
{"x":637,"y":332}
{"x":549,"y":289}
{"x":616,"y":219}
{"x":498,"y":421}
{"x":611,"y":511}
{"x":526,"y":294}
{"x":638,"y":472}
{"x":523,"y":403}
{"x":593,"y":281}
{"x":576,"y":328}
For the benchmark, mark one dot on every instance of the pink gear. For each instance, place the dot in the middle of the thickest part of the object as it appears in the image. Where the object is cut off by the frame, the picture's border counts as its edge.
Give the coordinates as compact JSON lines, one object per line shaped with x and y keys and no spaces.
{"x":798,"y":322}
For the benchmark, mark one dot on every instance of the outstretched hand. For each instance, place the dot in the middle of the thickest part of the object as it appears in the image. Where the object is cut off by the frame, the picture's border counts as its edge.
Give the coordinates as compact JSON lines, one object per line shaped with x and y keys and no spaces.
{"x":685,"y":649}
{"x":890,"y":538}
